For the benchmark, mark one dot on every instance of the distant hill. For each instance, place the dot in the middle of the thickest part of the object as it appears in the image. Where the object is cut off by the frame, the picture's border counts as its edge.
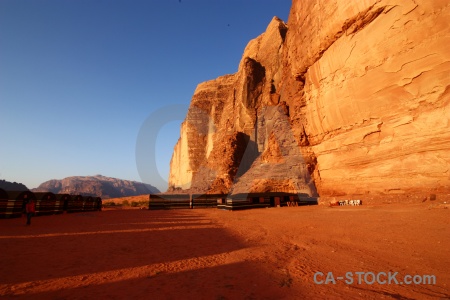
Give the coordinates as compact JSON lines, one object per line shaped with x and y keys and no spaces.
{"x":12,"y":186}
{"x":98,"y":185}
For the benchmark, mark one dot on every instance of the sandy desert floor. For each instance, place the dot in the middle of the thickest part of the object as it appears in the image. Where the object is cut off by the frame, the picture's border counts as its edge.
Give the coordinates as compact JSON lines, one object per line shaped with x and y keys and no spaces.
{"x":213,"y":254}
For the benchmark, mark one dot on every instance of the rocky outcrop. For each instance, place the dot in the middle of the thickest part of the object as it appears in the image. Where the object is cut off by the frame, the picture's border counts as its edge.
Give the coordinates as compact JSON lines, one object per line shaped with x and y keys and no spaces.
{"x":368,"y":82}
{"x":229,"y":124}
{"x":349,"y":98}
{"x":12,"y":186}
{"x":100,"y":186}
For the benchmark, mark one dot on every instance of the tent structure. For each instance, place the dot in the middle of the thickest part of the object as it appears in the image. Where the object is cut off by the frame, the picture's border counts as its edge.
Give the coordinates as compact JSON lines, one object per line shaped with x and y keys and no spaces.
{"x":230,"y":202}
{"x":89,"y":203}
{"x":47,"y":204}
{"x":98,"y":203}
{"x":63,"y":200}
{"x":75,"y":204}
{"x":12,"y":203}
{"x":15,"y":203}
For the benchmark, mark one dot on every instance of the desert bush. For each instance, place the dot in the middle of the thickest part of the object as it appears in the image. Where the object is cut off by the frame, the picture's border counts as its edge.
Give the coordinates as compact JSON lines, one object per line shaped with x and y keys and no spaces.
{"x":108,"y":203}
{"x":125,"y":203}
{"x":143,"y":202}
{"x":134,"y":204}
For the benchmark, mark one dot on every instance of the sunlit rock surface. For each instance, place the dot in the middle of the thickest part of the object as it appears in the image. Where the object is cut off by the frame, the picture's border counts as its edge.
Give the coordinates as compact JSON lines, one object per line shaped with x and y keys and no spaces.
{"x":373,"y":93}
{"x":349,"y":97}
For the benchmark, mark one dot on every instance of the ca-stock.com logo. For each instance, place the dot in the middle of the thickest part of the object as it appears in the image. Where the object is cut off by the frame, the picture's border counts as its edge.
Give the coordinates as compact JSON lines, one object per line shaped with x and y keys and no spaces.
{"x":146,"y":141}
{"x":370,"y":278}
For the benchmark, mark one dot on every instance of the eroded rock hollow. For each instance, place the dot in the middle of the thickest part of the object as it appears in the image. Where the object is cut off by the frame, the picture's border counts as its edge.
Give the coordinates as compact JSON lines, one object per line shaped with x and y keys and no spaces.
{"x":348,"y":97}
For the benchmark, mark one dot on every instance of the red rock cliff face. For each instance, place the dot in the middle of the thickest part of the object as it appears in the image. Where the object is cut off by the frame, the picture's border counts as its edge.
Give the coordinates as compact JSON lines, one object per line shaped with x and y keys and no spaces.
{"x":348,"y":98}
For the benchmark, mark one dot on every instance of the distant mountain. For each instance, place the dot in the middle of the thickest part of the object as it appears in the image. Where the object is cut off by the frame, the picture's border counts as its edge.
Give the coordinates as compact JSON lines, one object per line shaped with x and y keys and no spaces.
{"x":12,"y":186}
{"x":98,"y":185}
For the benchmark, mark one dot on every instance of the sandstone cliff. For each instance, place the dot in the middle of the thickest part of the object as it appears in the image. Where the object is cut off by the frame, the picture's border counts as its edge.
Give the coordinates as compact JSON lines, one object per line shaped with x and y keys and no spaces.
{"x":348,"y":98}
{"x":100,"y":186}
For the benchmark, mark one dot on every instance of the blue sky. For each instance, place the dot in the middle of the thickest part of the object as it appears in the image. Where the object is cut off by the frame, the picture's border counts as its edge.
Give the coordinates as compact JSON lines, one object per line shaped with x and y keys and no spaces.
{"x":79,"y":78}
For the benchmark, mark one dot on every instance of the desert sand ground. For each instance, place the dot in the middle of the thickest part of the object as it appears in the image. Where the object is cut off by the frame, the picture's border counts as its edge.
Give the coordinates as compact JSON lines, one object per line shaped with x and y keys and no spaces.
{"x":213,"y":254}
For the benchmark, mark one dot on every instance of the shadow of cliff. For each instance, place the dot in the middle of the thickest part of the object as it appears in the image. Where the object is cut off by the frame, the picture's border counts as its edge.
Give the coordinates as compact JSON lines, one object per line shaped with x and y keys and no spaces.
{"x":99,"y":245}
{"x":240,"y":280}
{"x":246,"y":153}
{"x":152,"y":259}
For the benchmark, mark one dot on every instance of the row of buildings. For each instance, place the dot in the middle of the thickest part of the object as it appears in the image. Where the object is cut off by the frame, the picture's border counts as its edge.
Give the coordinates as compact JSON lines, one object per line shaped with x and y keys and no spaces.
{"x":12,"y":203}
{"x":230,"y":202}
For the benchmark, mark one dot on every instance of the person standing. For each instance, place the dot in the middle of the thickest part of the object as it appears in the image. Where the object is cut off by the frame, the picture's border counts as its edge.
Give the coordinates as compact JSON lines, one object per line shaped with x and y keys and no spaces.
{"x":30,"y":209}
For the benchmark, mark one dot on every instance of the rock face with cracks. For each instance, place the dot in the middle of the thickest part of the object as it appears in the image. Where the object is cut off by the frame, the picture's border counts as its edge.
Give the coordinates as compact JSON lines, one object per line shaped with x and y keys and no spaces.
{"x":348,"y":98}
